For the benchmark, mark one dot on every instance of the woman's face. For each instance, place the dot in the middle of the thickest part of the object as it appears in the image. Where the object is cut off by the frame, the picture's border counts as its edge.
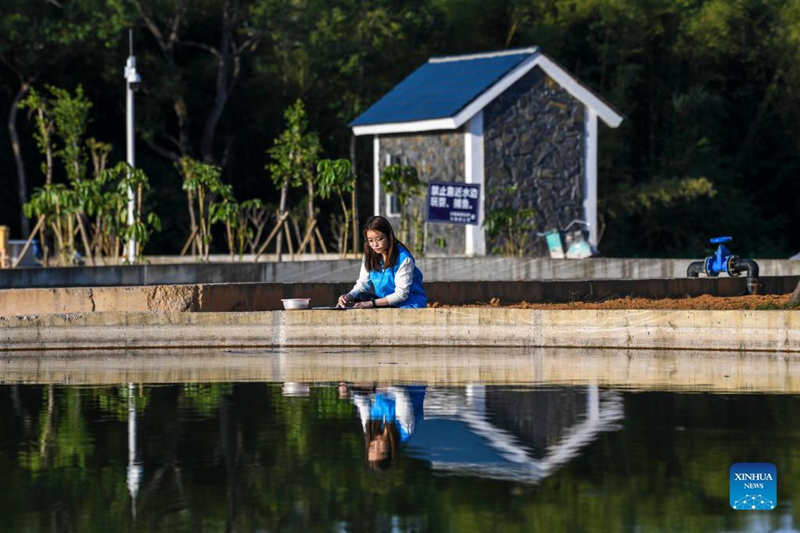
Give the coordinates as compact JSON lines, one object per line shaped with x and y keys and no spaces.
{"x":379,"y":448}
{"x":378,"y":241}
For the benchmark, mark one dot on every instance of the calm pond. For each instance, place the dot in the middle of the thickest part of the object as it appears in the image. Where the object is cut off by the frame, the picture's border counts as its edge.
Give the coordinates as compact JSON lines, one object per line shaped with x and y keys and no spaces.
{"x":330,"y":456}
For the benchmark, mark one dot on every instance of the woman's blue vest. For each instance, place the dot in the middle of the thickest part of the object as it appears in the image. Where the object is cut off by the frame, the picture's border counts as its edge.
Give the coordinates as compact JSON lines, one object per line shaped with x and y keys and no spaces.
{"x":383,"y":282}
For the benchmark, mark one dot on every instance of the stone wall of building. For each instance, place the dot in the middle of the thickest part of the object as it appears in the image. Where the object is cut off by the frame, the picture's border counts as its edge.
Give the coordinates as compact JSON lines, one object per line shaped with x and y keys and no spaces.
{"x":437,"y":156}
{"x":534,"y":155}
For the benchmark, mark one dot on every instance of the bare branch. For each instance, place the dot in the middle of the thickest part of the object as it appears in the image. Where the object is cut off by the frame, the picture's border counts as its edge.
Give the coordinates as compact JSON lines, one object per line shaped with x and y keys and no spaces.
{"x":208,"y":48}
{"x":168,"y":44}
{"x":176,"y":23}
{"x":160,"y":150}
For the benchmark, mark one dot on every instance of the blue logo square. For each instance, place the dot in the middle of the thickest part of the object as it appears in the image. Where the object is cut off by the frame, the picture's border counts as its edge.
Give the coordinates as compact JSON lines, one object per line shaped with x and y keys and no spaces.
{"x":753,"y":486}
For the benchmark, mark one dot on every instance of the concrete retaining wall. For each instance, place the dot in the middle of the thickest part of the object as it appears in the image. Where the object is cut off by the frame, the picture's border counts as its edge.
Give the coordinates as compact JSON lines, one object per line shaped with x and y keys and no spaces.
{"x":267,"y":296}
{"x":720,"y":371}
{"x":346,"y":270}
{"x":706,"y":330}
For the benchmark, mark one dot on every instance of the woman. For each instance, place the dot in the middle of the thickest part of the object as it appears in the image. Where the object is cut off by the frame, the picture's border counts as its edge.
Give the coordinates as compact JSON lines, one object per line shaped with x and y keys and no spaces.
{"x":389,"y":418}
{"x":389,"y":277}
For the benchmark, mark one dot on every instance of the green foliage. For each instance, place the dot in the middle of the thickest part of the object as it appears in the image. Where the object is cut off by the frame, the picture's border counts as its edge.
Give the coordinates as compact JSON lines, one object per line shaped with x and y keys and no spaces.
{"x":244,"y":455}
{"x":663,"y":193}
{"x":514,"y":228}
{"x":403,"y":182}
{"x":237,"y":219}
{"x":43,"y":132}
{"x":334,"y":176}
{"x":71,"y":115}
{"x":106,"y":199}
{"x":294,"y":153}
{"x":211,"y":196}
{"x":337,"y":176}
{"x":58,"y":204}
{"x":64,"y":441}
{"x":62,"y":116}
{"x":705,"y":86}
{"x":204,"y":398}
{"x":115,"y":401}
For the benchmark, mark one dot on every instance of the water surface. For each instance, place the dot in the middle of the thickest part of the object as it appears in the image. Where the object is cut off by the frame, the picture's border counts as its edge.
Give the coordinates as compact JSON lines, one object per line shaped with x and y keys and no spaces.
{"x":534,"y":446}
{"x":286,"y":457}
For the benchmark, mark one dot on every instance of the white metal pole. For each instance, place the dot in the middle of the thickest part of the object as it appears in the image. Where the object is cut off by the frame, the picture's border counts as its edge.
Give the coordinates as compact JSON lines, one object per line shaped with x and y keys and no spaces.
{"x":131,"y":77}
{"x":590,"y":173}
{"x":131,"y":65}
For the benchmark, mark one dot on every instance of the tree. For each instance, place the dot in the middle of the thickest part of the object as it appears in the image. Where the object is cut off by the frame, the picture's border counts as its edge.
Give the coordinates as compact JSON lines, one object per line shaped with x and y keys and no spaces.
{"x":224,"y":33}
{"x":337,"y":176}
{"x":294,"y":155}
{"x":35,"y":37}
{"x":203,"y":185}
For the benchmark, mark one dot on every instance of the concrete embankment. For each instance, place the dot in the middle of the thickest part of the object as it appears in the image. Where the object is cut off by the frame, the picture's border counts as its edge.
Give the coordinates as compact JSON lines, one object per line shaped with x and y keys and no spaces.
{"x":777,"y":330}
{"x":719,"y":371}
{"x":328,"y":269}
{"x":267,"y":296}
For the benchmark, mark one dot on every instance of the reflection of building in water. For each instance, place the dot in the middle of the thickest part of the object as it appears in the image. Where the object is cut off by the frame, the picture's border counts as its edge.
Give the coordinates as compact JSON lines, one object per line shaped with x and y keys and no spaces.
{"x":523,"y":435}
{"x":538,"y":418}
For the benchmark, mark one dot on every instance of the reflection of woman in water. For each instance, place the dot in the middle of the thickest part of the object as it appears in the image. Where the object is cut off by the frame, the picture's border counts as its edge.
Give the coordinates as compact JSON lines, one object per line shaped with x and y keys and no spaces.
{"x":389,"y":418}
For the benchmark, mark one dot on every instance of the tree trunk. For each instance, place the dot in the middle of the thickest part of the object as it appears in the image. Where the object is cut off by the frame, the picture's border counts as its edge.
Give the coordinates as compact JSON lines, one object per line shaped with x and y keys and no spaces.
{"x":227,"y":74}
{"x":353,"y":196}
{"x":192,"y":221}
{"x":311,"y":212}
{"x":281,"y":211}
{"x":22,"y":185}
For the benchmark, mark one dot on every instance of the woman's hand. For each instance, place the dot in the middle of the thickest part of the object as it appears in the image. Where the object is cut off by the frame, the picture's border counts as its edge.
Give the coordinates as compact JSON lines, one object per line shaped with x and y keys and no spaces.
{"x":369,"y":304}
{"x":345,"y":300}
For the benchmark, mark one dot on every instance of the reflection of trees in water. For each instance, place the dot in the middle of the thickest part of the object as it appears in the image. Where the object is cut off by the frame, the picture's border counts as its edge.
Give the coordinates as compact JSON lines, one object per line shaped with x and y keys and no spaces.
{"x":242,"y":457}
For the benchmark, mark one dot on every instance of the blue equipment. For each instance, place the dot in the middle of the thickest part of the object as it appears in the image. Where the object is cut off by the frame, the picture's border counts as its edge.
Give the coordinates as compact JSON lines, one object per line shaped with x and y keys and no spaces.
{"x":723,"y":261}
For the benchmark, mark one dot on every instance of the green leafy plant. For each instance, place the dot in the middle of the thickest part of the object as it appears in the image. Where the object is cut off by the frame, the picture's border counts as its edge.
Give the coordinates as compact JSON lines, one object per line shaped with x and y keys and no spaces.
{"x":336,"y":176}
{"x":63,"y":116}
{"x":237,"y":219}
{"x":105,"y":198}
{"x":513,"y":227}
{"x":403,"y":182}
{"x":56,"y":205}
{"x":294,"y":156}
{"x":203,"y":185}
{"x":39,"y":108}
{"x":70,"y":114}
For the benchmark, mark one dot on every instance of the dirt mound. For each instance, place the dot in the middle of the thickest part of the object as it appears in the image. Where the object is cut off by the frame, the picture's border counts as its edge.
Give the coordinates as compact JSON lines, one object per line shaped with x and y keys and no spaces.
{"x":705,"y":301}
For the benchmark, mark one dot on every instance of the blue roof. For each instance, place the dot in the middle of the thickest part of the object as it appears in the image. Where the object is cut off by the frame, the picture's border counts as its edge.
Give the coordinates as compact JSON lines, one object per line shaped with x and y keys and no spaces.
{"x":441,"y":87}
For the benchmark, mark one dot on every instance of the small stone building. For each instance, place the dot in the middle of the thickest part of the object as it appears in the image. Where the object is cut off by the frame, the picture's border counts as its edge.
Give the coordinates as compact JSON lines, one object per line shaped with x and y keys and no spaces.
{"x":512,"y":121}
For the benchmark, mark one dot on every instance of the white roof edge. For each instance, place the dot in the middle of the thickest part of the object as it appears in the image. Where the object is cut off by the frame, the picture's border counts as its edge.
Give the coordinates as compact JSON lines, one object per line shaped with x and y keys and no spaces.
{"x":573,"y":87}
{"x":405,"y":127}
{"x":499,"y":53}
{"x":550,"y":67}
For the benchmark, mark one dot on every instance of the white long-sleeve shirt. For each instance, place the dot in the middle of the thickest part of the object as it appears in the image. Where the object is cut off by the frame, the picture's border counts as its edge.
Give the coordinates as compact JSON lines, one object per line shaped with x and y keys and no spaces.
{"x":402,"y":282}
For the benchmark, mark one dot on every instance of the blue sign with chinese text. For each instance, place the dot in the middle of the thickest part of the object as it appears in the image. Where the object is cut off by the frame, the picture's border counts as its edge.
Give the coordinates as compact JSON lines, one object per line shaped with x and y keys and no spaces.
{"x":454,"y":203}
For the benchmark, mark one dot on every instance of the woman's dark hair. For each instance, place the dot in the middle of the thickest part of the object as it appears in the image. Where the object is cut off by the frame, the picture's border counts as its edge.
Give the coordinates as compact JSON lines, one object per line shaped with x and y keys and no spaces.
{"x":374,"y":430}
{"x":372,"y":261}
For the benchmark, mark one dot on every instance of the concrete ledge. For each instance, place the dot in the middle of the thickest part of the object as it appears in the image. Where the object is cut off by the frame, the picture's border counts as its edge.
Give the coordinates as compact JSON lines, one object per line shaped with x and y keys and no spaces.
{"x":267,"y":296}
{"x":332,"y":270}
{"x":777,"y":331}
{"x":719,"y":371}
